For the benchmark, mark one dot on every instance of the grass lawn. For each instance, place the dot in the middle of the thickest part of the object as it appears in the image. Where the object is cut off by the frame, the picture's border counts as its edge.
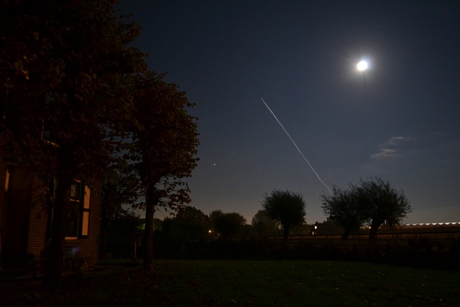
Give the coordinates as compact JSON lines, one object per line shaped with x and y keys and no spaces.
{"x":246,"y":283}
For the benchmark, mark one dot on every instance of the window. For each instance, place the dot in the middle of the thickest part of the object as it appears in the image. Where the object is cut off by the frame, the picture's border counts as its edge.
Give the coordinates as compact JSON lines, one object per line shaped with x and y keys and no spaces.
{"x":85,"y":212}
{"x":7,"y":180}
{"x":78,"y":211}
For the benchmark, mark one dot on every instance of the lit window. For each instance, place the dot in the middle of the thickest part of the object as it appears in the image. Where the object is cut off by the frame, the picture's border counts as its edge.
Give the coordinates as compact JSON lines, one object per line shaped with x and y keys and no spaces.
{"x":7,"y":180}
{"x":85,"y":211}
{"x":78,"y":211}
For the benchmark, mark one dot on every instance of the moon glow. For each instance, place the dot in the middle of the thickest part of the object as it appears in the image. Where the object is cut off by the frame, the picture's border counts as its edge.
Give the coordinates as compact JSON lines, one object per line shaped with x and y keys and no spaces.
{"x":362,"y":66}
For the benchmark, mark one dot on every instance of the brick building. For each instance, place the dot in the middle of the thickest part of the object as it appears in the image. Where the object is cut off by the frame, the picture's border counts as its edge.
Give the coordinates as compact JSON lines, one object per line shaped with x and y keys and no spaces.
{"x":24,"y":217}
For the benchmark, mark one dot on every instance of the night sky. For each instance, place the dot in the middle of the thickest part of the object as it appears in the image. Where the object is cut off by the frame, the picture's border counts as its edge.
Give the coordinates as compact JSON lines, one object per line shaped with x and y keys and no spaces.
{"x":399,"y":120}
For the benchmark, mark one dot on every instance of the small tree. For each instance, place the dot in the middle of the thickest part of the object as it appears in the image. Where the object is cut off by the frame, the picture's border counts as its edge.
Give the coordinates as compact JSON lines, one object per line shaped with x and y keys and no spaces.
{"x":372,"y":201}
{"x":228,"y":225}
{"x":263,"y":225}
{"x":285,"y":207}
{"x":342,"y":207}
{"x":189,"y":224}
{"x":383,"y":203}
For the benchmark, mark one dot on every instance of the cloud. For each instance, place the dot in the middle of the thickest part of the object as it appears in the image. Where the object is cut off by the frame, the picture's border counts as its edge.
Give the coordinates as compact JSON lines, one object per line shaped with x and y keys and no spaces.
{"x":388,"y":149}
{"x":396,"y":140}
{"x":385,"y":153}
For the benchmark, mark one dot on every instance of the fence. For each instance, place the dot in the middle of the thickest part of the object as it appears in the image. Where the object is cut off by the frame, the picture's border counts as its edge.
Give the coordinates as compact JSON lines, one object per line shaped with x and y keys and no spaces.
{"x":380,"y":236}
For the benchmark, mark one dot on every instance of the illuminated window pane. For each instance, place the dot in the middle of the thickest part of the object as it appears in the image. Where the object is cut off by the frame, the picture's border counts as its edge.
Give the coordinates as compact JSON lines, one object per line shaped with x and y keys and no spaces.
{"x":7,"y":180}
{"x":78,"y":211}
{"x":74,"y":191}
{"x":86,"y":202}
{"x":85,"y":224}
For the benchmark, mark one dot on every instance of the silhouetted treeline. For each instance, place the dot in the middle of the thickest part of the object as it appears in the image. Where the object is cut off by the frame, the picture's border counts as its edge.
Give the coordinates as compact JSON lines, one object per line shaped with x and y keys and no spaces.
{"x":191,"y":235}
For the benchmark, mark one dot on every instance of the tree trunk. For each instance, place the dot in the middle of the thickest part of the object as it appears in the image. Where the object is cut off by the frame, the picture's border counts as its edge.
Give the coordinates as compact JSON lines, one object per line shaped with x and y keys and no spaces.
{"x":346,"y":234}
{"x":374,"y":228}
{"x":56,"y":240}
{"x":285,"y":240}
{"x":148,"y":232}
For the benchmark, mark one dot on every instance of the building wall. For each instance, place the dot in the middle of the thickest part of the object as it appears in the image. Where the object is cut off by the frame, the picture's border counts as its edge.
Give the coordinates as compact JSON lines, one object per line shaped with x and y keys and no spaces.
{"x":38,"y":219}
{"x":17,"y":210}
{"x":2,"y":194}
{"x":2,"y":211}
{"x":31,"y":192}
{"x":2,"y":186}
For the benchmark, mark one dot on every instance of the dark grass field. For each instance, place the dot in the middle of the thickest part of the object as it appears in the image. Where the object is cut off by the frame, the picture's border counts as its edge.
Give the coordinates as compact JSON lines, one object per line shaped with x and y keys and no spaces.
{"x":244,"y":283}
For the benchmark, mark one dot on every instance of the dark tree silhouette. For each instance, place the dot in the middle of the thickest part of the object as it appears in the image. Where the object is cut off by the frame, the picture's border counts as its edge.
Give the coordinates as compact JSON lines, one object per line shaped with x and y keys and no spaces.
{"x":342,"y":207}
{"x":228,"y":225}
{"x":263,"y":225}
{"x":285,"y":207}
{"x":189,"y":223}
{"x":118,"y":191}
{"x":164,"y":144}
{"x":61,"y":69}
{"x":383,"y":203}
{"x":374,"y":201}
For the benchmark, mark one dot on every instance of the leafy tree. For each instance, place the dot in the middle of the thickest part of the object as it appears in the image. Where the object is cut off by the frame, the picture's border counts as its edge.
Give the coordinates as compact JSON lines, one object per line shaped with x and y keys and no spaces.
{"x":263,"y":225}
{"x":189,"y":223}
{"x":157,"y":224}
{"x":342,"y":207}
{"x":285,"y":207}
{"x":62,"y":64}
{"x":300,"y":230}
{"x":372,"y":201}
{"x":120,"y":234}
{"x":164,"y":141}
{"x":328,"y":227}
{"x":227,"y":225}
{"x":118,"y":192}
{"x":192,"y":215}
{"x":384,"y":203}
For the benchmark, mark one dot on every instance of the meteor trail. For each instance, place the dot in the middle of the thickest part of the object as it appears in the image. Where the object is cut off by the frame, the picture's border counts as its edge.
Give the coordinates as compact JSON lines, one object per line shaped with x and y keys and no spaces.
{"x":297,"y":147}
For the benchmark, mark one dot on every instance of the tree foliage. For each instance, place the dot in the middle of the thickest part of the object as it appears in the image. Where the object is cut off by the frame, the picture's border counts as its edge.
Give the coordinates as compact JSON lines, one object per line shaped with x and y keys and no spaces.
{"x":384,"y":203}
{"x":118,"y":235}
{"x":164,"y":146}
{"x":373,"y":201}
{"x":343,"y":207}
{"x":263,"y":225}
{"x":118,"y":193}
{"x":190,"y":224}
{"x":62,"y":65}
{"x":227,"y":225}
{"x":285,"y":207}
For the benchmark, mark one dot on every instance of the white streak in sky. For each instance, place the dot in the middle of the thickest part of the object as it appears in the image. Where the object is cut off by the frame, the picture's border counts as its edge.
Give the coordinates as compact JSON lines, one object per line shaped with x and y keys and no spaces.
{"x":297,"y":147}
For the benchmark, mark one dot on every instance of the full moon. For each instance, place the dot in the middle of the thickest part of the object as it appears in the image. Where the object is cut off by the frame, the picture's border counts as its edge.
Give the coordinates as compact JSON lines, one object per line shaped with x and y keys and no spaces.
{"x":362,"y":66}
